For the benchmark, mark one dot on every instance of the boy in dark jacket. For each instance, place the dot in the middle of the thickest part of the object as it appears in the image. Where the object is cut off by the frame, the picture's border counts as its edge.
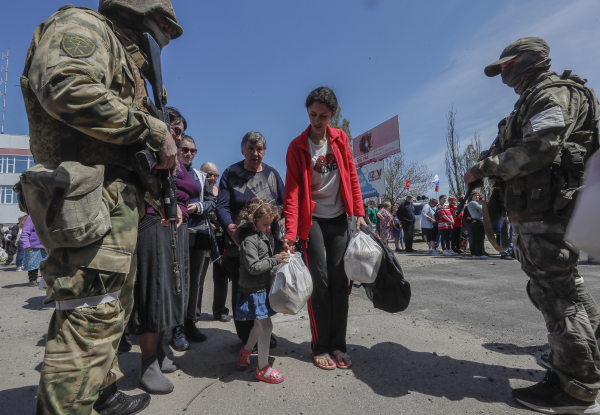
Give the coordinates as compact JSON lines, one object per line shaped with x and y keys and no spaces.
{"x":406,"y":215}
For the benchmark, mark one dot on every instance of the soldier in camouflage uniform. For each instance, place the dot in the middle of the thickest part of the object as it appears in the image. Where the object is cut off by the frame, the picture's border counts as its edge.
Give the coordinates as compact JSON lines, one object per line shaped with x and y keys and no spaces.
{"x":83,"y":93}
{"x":537,"y":167}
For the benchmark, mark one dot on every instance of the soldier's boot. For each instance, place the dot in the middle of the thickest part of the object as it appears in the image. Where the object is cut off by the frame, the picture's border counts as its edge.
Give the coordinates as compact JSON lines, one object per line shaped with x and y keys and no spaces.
{"x":548,"y":397}
{"x":166,"y":364}
{"x":113,"y":402}
{"x":153,"y":380}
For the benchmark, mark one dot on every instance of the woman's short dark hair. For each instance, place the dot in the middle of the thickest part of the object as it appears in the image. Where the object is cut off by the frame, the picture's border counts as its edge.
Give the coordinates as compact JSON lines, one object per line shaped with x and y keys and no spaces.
{"x":254,"y":137}
{"x":176,"y":116}
{"x":323,"y":95}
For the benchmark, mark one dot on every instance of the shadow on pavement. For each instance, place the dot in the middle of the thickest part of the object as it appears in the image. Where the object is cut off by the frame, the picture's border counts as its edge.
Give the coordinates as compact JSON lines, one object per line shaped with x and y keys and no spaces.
{"x":37,"y":303}
{"x":509,"y":348}
{"x":25,"y":284}
{"x":18,"y":400}
{"x":392,"y":370}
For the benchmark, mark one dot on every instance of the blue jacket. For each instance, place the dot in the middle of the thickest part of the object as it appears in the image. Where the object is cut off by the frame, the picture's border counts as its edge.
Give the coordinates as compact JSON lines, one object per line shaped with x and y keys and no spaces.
{"x":406,"y":212}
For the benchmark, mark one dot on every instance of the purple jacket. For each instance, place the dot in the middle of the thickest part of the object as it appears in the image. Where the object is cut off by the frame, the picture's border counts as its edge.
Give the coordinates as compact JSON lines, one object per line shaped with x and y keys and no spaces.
{"x":186,"y":189}
{"x":29,"y":237}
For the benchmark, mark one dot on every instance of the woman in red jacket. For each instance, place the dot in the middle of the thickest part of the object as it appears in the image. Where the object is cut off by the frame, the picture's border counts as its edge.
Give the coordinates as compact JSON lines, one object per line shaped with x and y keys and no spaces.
{"x":321,"y":192}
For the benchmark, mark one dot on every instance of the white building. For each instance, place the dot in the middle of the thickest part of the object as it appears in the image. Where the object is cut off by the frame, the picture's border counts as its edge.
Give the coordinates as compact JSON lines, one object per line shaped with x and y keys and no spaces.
{"x":15,"y":158}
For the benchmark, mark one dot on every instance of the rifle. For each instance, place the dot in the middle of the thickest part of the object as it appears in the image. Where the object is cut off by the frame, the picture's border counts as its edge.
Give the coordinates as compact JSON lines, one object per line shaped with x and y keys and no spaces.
{"x":149,"y":159}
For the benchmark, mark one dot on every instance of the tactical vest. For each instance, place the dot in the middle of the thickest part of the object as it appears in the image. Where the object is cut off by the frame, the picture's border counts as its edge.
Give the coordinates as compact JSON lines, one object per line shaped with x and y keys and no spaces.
{"x":554,"y":187}
{"x":47,"y":133}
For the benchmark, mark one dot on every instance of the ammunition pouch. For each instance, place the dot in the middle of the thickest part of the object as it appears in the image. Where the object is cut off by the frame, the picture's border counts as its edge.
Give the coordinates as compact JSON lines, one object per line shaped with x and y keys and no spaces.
{"x":65,"y":203}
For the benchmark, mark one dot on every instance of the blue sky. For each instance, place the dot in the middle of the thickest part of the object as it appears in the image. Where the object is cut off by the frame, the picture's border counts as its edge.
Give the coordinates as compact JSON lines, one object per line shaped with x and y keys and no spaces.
{"x":243,"y":66}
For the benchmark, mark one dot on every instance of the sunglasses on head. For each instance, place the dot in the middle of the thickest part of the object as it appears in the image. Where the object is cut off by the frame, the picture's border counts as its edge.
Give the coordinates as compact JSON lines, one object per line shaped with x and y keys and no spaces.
{"x":178,"y":131}
{"x":189,"y":150}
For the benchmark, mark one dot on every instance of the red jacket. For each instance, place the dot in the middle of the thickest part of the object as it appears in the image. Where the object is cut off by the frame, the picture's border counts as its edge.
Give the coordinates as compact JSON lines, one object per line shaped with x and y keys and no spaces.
{"x":457,"y":220}
{"x":297,"y":203}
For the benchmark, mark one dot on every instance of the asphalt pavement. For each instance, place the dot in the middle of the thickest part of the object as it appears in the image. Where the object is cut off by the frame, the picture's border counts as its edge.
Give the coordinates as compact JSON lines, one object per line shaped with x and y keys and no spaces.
{"x":469,"y":335}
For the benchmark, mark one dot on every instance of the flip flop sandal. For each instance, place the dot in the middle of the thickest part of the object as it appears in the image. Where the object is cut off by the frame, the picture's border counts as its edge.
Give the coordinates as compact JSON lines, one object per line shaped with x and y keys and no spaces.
{"x":324,"y":357}
{"x":244,"y":362}
{"x":342,"y":356}
{"x":269,"y":374}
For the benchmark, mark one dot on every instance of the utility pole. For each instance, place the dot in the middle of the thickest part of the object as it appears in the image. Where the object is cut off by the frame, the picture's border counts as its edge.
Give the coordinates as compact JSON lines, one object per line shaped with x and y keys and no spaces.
{"x":5,"y":69}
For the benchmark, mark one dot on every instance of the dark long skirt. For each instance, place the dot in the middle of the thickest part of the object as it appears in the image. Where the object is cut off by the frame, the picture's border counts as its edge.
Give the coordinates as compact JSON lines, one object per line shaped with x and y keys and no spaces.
{"x":156,"y":307}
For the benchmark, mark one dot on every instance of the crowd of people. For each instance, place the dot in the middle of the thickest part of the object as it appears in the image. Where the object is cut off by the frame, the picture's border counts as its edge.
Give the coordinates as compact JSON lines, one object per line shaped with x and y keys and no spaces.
{"x":457,"y":233}
{"x":84,"y":88}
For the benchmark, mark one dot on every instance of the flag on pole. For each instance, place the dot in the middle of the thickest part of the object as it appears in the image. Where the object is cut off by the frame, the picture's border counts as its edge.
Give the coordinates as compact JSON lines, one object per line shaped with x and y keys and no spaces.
{"x":408,"y":185}
{"x":436,"y":181}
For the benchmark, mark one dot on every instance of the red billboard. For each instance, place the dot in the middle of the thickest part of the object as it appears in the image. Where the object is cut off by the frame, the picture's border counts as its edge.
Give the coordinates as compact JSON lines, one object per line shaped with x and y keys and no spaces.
{"x":377,"y":143}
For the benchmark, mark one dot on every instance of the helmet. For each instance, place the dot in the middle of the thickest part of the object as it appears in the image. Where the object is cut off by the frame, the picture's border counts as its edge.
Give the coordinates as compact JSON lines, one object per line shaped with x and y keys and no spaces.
{"x":144,"y":8}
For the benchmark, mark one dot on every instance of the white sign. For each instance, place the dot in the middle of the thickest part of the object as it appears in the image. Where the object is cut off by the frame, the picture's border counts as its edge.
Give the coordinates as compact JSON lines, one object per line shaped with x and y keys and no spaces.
{"x":372,"y":179}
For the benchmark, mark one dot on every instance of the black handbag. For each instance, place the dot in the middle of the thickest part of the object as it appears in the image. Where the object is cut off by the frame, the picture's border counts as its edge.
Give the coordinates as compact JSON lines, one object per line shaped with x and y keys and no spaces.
{"x":201,"y":237}
{"x":390,"y":292}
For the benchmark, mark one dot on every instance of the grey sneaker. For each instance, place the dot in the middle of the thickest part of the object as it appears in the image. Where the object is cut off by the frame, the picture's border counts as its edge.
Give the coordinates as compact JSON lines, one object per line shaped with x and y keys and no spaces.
{"x":549,"y":398}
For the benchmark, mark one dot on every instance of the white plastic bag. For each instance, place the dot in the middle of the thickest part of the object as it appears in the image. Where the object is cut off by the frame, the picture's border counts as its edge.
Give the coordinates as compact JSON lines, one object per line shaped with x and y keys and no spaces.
{"x":291,"y":286}
{"x":363,"y":258}
{"x":42,"y":284}
{"x":3,"y":255}
{"x":584,"y":229}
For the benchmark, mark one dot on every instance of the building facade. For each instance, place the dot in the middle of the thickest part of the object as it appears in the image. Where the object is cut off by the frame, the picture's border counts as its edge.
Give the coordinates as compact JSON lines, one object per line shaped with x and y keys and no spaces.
{"x":15,"y":158}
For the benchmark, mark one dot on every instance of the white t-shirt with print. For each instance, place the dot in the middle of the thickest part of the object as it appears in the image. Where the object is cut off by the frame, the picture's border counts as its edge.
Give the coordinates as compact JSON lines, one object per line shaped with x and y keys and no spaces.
{"x":325,"y":181}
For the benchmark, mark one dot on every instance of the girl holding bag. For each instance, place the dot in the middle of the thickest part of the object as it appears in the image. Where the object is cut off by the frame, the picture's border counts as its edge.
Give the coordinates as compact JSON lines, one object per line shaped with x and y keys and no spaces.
{"x":321,"y":192}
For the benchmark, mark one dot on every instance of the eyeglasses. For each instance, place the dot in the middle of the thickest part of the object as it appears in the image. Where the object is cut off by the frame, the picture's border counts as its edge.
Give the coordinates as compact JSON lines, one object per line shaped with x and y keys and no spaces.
{"x":189,"y":150}
{"x":215,"y":175}
{"x":178,"y":131}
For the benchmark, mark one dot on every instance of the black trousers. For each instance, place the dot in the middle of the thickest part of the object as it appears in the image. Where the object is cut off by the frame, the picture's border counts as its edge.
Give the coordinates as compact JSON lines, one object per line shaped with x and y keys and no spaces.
{"x":33,"y":274}
{"x":409,"y":234}
{"x":328,"y":306}
{"x":478,"y":237}
{"x":445,"y":233}
{"x":455,"y":239}
{"x":221,"y":286}
{"x":232,"y":266}
{"x":198,"y":261}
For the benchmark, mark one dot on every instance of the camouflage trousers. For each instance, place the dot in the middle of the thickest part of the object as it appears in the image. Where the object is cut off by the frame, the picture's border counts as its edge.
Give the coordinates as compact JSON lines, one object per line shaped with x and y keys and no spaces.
{"x":559,"y":292}
{"x":80,"y":357}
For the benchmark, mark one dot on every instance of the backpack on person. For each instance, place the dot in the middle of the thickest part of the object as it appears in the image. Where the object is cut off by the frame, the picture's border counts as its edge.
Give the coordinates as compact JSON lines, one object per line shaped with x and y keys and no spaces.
{"x":390,"y":292}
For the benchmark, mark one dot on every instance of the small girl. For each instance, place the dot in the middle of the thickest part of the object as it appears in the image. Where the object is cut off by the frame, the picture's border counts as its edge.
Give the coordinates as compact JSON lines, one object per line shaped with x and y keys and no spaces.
{"x":254,"y":237}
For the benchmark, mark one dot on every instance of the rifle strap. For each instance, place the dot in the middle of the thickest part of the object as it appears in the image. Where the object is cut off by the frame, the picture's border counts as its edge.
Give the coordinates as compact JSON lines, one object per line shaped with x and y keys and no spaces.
{"x":489,"y":229}
{"x":134,"y":51}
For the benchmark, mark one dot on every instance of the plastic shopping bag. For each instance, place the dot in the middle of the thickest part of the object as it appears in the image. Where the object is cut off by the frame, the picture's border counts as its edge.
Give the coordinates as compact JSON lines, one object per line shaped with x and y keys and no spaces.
{"x":3,"y":255}
{"x":291,"y":286}
{"x":42,"y":284}
{"x":584,"y":229}
{"x":362,"y":259}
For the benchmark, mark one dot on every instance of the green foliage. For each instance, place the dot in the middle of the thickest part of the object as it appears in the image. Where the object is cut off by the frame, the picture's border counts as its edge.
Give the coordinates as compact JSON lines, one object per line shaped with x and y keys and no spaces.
{"x":338,"y":121}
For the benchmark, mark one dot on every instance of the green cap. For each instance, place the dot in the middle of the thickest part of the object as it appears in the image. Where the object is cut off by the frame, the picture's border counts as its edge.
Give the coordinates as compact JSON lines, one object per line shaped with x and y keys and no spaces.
{"x":515,"y":49}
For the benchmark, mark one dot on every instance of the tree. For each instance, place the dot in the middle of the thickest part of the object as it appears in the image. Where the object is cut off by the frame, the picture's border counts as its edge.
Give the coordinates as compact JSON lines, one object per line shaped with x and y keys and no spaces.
{"x":455,"y":168}
{"x":338,"y":121}
{"x":470,"y":157}
{"x":398,"y":171}
{"x":457,"y":162}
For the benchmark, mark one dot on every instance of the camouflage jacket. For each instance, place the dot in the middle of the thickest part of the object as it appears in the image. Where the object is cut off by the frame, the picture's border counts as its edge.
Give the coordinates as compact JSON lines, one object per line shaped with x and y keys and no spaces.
{"x":79,"y":83}
{"x":551,"y":112}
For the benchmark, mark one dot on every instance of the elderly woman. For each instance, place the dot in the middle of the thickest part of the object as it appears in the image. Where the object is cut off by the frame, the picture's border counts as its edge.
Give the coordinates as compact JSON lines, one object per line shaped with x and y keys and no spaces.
{"x":385,"y":222}
{"x":220,"y":281}
{"x":240,"y":182}
{"x":156,"y":306}
{"x":322,"y":191}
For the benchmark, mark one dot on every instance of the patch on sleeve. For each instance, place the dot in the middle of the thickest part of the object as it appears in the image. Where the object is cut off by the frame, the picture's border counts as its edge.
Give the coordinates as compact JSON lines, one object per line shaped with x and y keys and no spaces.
{"x":550,"y":118}
{"x":78,"y":46}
